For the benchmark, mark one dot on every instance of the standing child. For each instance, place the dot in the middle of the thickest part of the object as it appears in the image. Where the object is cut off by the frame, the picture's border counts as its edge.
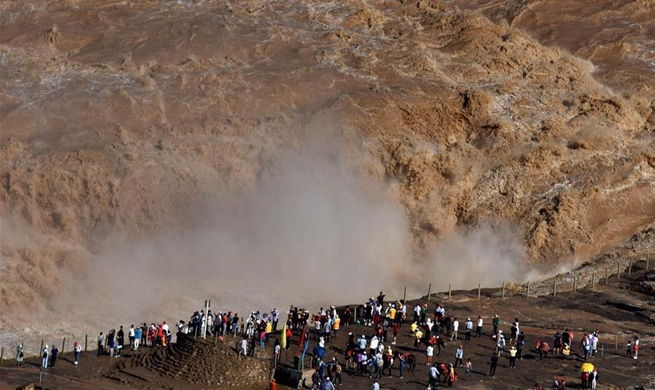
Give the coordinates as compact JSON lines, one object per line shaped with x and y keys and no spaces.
{"x":468,"y":367}
{"x":78,"y":349}
{"x":429,"y":351}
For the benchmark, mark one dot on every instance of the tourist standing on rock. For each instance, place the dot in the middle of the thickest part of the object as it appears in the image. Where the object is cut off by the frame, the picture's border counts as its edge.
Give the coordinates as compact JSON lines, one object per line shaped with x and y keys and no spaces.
{"x":160,"y":335}
{"x":469,"y":328}
{"x":152,"y":332}
{"x":380,"y":300}
{"x":439,"y":311}
{"x":493,"y":364}
{"x":495,"y":322}
{"x":586,"y":347}
{"x":211,"y":324}
{"x":19,"y":355}
{"x":500,"y":342}
{"x":557,"y":343}
{"x":468,"y":367}
{"x":369,"y":309}
{"x":277,"y":350}
{"x":77,"y":348}
{"x":395,"y":327}
{"x":225,"y":320}
{"x":594,"y":344}
{"x":566,"y":338}
{"x":361,"y":343}
{"x":418,"y":335}
{"x":138,"y":335}
{"x":512,"y":357}
{"x":433,"y":376}
{"x":45,"y":356}
{"x":120,"y":340}
{"x":337,"y":371}
{"x":53,"y":355}
{"x":244,"y":347}
{"x":253,"y":344}
{"x":514,"y":331}
{"x":459,"y":355}
{"x":235,"y":324}
{"x":347,"y":316}
{"x":429,"y":352}
{"x":593,"y":379}
{"x":388,"y":363}
{"x":167,"y":333}
{"x":417,"y":313}
{"x":453,"y":335}
{"x":327,"y":384}
{"x":262,"y":340}
{"x":144,"y":334}
{"x":327,"y":330}
{"x":101,"y":343}
{"x":275,"y":314}
{"x":362,"y":360}
{"x":131,"y":335}
{"x":375,"y":386}
{"x":111,"y":342}
{"x":544,"y":348}
{"x":520,"y":342}
{"x":635,"y":347}
{"x":478,"y":328}
{"x":373,"y":345}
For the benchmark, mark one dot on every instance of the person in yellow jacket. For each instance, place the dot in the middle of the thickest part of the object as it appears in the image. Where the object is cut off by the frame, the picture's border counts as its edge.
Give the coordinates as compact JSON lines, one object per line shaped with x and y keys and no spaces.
{"x":418,"y":335}
{"x":269,"y":327}
{"x":335,"y":325}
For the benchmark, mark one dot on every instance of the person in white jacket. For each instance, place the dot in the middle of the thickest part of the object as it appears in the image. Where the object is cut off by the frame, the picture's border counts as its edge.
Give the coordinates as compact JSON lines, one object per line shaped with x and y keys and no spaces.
{"x":374,"y":345}
{"x":453,"y":335}
{"x":46,"y":355}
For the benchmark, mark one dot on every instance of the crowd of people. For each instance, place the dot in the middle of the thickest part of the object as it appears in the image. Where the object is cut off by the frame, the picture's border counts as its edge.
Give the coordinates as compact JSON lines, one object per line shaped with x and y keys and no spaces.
{"x":373,"y":353}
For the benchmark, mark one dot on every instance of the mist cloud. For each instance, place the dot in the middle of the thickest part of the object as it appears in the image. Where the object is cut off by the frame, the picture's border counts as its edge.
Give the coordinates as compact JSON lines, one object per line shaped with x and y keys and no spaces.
{"x":486,"y":254}
{"x":313,"y":230}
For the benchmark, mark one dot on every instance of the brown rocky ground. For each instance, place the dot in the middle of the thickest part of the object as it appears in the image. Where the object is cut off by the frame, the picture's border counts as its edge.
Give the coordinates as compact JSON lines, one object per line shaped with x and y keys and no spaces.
{"x":614,"y":310}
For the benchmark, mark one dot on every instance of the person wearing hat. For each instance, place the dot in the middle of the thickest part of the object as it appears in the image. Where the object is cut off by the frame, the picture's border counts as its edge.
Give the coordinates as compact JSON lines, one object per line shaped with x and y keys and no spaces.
{"x":512,"y":357}
{"x":469,"y":328}
{"x":362,"y":343}
{"x":501,"y":343}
